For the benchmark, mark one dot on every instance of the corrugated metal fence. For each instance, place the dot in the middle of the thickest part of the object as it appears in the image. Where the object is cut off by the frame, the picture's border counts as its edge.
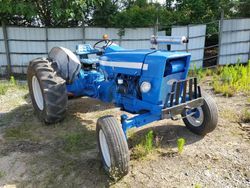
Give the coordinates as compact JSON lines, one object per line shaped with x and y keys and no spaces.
{"x":235,"y":41}
{"x":25,"y":44}
{"x":196,"y":35}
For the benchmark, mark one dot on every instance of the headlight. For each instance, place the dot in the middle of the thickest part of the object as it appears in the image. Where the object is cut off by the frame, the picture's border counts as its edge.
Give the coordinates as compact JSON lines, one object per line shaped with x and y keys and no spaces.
{"x":145,"y":87}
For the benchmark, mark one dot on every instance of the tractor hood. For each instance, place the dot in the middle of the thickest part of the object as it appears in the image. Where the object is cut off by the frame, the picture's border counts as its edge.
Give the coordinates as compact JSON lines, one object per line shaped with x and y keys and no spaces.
{"x":133,"y":62}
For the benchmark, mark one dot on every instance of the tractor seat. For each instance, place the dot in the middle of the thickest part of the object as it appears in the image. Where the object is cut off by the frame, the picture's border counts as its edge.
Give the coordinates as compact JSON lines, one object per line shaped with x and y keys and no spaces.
{"x":90,"y":61}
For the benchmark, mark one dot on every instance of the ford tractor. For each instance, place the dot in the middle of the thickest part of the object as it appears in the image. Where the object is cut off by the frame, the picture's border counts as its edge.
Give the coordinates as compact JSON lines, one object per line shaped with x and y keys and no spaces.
{"x":151,"y":84}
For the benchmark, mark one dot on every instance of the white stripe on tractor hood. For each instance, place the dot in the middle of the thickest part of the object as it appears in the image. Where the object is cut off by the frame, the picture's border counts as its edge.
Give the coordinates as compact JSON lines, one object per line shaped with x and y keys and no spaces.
{"x":120,"y":64}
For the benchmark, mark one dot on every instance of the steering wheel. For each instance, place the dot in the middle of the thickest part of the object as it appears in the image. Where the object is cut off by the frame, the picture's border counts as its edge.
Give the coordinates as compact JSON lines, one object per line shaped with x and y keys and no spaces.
{"x":107,"y":43}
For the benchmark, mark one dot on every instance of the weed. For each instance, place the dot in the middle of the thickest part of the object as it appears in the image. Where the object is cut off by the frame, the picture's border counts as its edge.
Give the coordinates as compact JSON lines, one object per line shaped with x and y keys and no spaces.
{"x":246,"y":116}
{"x":232,"y":79}
{"x":197,"y":72}
{"x":149,"y":141}
{"x":180,"y":144}
{"x":209,"y":72}
{"x":248,"y":100}
{"x":3,"y":89}
{"x":197,"y":185}
{"x":145,"y":146}
{"x":2,"y":174}
{"x":12,"y":80}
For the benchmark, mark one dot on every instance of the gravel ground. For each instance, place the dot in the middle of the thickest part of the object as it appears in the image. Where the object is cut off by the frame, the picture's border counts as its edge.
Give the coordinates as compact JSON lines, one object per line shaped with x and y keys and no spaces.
{"x":36,"y":155}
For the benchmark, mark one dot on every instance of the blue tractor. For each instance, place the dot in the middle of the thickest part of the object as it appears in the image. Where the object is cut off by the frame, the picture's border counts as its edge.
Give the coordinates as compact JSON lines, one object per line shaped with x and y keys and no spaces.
{"x":152,"y":84}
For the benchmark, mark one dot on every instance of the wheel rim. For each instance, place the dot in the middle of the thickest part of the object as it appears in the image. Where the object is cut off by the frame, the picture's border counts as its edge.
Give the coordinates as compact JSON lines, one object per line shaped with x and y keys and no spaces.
{"x":104,"y":148}
{"x":37,"y":93}
{"x":197,"y":118}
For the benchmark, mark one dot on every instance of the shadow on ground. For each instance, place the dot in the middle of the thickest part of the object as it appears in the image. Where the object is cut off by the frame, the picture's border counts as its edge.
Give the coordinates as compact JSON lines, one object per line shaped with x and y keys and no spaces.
{"x":59,"y":155}
{"x":65,"y":154}
{"x":166,"y":135}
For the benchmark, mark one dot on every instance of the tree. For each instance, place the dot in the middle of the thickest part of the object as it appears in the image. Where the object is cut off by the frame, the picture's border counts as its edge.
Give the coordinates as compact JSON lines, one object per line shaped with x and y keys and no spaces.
{"x":103,"y":13}
{"x":244,"y":8}
{"x":50,"y":12}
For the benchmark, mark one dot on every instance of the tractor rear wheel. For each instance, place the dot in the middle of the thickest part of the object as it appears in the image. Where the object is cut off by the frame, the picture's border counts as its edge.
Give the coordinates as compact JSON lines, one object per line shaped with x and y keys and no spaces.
{"x":204,"y":119}
{"x":113,"y":147}
{"x":47,"y":90}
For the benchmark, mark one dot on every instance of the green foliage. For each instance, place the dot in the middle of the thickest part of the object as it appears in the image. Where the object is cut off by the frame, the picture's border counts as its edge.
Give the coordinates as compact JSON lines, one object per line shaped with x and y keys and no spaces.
{"x":51,"y":13}
{"x":145,"y":146}
{"x":243,"y":7}
{"x":119,"y":13}
{"x":180,"y":144}
{"x":232,"y":79}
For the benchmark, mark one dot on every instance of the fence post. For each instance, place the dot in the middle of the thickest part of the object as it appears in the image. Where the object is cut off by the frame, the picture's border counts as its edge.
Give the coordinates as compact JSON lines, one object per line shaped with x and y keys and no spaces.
{"x":46,"y":39}
{"x":83,"y":33}
{"x":7,"y":50}
{"x":220,"y":35}
{"x":187,"y":37}
{"x":156,"y":27}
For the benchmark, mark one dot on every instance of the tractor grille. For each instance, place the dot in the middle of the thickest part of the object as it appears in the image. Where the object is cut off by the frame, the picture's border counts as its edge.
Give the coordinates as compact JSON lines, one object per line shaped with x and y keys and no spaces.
{"x":183,"y":91}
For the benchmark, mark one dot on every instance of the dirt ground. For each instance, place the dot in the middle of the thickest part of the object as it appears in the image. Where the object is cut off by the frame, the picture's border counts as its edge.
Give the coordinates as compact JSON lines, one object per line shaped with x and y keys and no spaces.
{"x":65,"y":154}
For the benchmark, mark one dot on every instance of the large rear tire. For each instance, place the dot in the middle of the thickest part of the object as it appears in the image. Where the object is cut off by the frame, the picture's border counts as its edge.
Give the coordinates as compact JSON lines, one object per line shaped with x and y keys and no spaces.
{"x":113,"y":147}
{"x":204,"y":119}
{"x":47,"y":90}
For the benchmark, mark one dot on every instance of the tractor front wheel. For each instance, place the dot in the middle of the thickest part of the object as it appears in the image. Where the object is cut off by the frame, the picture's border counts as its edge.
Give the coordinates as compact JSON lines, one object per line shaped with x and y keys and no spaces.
{"x":47,"y":90}
{"x":203,"y":119}
{"x":113,"y":147}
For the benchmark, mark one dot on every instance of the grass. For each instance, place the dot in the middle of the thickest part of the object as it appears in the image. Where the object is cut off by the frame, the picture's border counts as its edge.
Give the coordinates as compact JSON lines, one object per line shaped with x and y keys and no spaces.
{"x":228,"y":79}
{"x":76,"y":142}
{"x":6,"y":85}
{"x":232,"y":79}
{"x":18,"y":133}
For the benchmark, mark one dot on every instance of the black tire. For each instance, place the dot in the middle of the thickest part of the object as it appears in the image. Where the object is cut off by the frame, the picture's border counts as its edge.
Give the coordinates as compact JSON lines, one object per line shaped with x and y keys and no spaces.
{"x":53,"y":93}
{"x":117,"y":146}
{"x":210,"y":117}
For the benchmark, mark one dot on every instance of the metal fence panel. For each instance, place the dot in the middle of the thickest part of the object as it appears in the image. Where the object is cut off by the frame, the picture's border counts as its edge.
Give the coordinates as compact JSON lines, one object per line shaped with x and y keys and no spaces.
{"x":25,"y":33}
{"x":27,"y":47}
{"x":236,"y":24}
{"x":196,"y":35}
{"x":138,"y":33}
{"x":66,"y":44}
{"x":136,"y":44}
{"x":65,"y":33}
{"x":235,"y":41}
{"x":97,"y":33}
{"x":2,"y":47}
